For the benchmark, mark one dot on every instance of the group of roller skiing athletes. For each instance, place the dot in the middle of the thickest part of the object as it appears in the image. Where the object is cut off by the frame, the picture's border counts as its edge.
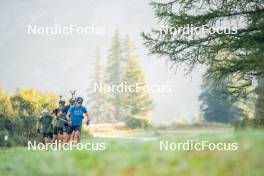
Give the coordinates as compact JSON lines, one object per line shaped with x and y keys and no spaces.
{"x":63,"y":123}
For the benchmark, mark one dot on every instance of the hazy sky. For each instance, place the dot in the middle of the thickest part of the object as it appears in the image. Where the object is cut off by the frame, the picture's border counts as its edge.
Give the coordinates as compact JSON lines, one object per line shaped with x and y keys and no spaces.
{"x":59,"y":63}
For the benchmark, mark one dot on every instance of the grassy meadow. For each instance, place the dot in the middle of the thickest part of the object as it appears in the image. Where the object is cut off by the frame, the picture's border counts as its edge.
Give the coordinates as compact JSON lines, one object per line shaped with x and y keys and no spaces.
{"x":138,"y":154}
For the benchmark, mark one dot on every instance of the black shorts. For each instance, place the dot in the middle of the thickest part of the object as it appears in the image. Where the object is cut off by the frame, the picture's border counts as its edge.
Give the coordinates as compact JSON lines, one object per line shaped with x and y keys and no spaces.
{"x":49,"y":134}
{"x":72,"y":128}
{"x":65,"y":128}
{"x":58,"y":130}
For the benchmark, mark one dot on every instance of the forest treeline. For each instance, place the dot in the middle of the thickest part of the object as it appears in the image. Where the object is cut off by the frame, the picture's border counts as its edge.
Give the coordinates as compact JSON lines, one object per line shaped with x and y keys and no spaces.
{"x":19,"y":113}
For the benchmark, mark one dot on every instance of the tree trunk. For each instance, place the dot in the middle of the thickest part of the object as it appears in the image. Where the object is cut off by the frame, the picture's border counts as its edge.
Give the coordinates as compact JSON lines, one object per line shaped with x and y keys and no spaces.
{"x":259,"y":110}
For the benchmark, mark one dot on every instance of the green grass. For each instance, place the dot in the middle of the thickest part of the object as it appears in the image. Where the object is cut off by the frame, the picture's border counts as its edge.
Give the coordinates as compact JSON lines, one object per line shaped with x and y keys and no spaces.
{"x":132,"y":156}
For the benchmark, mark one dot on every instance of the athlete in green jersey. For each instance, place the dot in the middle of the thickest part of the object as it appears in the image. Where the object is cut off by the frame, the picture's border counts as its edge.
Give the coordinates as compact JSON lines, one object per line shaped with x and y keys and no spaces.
{"x":45,"y":122}
{"x":60,"y":115}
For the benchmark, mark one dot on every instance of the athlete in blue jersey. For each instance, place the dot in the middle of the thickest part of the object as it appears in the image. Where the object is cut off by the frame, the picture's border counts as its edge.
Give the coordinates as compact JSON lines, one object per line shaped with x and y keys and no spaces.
{"x":75,"y":115}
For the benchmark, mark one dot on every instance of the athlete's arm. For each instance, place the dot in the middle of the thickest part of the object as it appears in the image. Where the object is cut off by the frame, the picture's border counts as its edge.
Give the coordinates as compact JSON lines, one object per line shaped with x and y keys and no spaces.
{"x":87,"y":118}
{"x":68,"y":116}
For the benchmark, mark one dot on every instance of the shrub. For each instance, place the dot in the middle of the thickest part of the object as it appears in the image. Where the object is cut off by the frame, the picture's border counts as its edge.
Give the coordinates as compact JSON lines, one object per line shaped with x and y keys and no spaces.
{"x":138,"y":123}
{"x":19,"y":130}
{"x":245,"y":123}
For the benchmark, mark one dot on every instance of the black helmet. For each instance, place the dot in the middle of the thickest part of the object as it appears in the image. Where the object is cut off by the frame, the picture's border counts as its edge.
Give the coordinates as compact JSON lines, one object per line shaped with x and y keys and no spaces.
{"x":79,"y":99}
{"x":72,"y":101}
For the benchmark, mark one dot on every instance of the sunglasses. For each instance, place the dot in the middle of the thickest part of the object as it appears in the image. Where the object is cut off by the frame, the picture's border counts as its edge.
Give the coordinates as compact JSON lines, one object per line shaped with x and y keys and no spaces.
{"x":79,"y":102}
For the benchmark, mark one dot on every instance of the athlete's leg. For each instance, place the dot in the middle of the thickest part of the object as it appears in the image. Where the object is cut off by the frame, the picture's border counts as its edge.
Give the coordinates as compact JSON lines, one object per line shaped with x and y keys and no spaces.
{"x":60,"y":137}
{"x":72,"y":136}
{"x":64,"y":134}
{"x":69,"y":133}
{"x":66,"y":137}
{"x":45,"y":137}
{"x":50,"y":135}
{"x":60,"y":134}
{"x":46,"y":140}
{"x":77,"y":136}
{"x":55,"y":135}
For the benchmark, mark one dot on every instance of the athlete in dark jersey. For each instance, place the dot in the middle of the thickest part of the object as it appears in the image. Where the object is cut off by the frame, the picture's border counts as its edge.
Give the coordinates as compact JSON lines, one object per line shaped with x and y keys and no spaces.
{"x":45,"y":122}
{"x":60,"y":115}
{"x":67,"y":136}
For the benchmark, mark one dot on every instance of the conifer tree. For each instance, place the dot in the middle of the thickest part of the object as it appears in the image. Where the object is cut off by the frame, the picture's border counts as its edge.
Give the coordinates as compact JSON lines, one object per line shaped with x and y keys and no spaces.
{"x":100,"y":108}
{"x":123,"y":69}
{"x":114,"y":71}
{"x":244,"y":43}
{"x":137,"y":102}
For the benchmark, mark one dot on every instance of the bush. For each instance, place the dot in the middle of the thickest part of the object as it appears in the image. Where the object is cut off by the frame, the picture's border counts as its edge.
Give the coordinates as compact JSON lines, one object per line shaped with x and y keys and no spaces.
{"x":19,"y":130}
{"x":138,"y":123}
{"x":247,"y":123}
